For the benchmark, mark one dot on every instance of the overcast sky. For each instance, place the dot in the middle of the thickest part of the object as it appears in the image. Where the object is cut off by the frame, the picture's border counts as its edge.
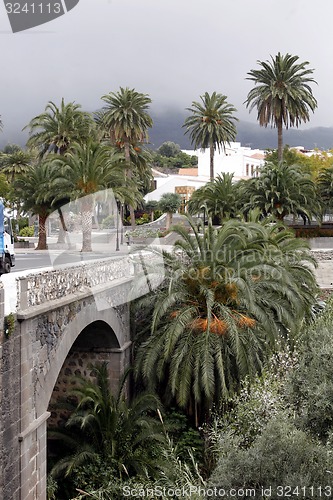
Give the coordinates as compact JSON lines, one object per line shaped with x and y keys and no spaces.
{"x":173,"y":50}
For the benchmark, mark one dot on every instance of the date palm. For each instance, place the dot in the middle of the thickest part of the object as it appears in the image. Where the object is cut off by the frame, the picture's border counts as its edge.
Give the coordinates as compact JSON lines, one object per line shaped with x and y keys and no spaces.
{"x":58,"y":128}
{"x":126,"y":118}
{"x":32,"y":187}
{"x":230,"y":295}
{"x":282,"y":93}
{"x":15,"y":163}
{"x":84,"y":170}
{"x":211,"y":124}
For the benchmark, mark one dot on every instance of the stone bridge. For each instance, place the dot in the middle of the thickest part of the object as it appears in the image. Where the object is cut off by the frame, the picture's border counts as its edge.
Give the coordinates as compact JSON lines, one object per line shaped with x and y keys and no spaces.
{"x":66,"y":318}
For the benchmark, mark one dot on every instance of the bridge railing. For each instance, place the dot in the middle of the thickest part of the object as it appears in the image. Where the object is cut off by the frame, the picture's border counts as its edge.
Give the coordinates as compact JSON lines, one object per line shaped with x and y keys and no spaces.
{"x":39,"y":288}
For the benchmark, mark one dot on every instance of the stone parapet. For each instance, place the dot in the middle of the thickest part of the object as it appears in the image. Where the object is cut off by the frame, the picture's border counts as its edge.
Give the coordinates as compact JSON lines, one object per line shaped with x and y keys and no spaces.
{"x":321,"y":254}
{"x":40,"y":288}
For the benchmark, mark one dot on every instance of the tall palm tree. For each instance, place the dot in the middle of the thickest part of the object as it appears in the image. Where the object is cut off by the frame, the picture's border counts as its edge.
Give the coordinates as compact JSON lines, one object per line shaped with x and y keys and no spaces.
{"x":282,"y":93}
{"x":211,"y":124}
{"x":33,"y":186}
{"x":58,"y":128}
{"x":229,"y":296}
{"x":81,"y":172}
{"x":55,"y":130}
{"x":126,"y":118}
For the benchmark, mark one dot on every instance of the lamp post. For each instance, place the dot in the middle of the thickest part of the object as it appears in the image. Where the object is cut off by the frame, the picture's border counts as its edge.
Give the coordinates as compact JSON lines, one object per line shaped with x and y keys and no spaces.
{"x":122,"y":225}
{"x":117,"y":228}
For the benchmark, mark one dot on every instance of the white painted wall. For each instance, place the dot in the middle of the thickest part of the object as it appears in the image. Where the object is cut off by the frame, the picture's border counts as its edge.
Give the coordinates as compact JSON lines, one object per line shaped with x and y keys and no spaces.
{"x":233,"y":160}
{"x":168,"y":185}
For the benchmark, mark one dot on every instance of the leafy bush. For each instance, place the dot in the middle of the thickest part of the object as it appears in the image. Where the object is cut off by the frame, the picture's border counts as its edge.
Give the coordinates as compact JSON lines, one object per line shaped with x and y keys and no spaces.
{"x":257,"y":402}
{"x":281,"y":455}
{"x":311,"y":385}
{"x":143,"y":219}
{"x":27,"y":231}
{"x":108,"y":222}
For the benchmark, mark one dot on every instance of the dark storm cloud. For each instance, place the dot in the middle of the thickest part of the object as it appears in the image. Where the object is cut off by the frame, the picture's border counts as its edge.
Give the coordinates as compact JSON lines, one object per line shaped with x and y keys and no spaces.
{"x":174,"y":50}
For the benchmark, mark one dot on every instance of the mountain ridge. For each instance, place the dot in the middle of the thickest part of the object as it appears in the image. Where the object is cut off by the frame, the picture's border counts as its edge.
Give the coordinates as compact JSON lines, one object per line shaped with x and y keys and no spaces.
{"x":168,"y":126}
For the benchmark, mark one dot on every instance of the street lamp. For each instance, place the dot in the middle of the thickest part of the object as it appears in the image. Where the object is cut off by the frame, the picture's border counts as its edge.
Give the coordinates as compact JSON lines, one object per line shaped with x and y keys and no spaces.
{"x":117,"y":228}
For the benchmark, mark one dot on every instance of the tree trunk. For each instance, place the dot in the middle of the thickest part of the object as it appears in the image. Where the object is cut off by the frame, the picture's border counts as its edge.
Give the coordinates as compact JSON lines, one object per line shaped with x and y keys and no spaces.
{"x":87,"y":214}
{"x":62,"y":228}
{"x":280,"y":140}
{"x":211,"y":161}
{"x":42,"y":245}
{"x":168,"y":221}
{"x":129,"y":175}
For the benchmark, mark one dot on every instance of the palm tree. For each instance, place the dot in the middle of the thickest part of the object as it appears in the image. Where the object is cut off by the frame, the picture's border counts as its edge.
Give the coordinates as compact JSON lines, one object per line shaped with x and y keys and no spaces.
{"x":125,"y":117}
{"x":230,"y":295}
{"x":218,"y":198}
{"x":15,"y":163}
{"x":81,"y":172}
{"x":104,"y":425}
{"x":33,"y":186}
{"x":211,"y":124}
{"x":325,"y":188}
{"x":282,"y":190}
{"x":58,"y":128}
{"x":282,"y":95}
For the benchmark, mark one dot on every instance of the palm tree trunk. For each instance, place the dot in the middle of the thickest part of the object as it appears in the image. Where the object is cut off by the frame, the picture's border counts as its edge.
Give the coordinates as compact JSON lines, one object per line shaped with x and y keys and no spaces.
{"x":211,"y":161}
{"x":42,"y":245}
{"x":87,"y":214}
{"x":280,"y":140}
{"x":62,"y":228}
{"x":129,"y":175}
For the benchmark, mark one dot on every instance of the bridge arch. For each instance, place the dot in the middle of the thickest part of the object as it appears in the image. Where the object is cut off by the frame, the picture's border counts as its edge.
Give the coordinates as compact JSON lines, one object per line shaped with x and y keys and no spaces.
{"x":83,"y":324}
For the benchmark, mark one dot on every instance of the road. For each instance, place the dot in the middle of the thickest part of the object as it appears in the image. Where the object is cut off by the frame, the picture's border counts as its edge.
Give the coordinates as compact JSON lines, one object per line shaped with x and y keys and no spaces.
{"x":32,"y":261}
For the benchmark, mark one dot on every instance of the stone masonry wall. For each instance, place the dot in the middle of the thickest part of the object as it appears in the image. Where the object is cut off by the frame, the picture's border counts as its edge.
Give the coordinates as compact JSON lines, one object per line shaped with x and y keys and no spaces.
{"x":9,"y":410}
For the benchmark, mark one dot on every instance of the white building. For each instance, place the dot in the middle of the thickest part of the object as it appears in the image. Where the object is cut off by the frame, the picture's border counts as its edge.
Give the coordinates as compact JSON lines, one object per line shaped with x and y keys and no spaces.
{"x":243,"y":162}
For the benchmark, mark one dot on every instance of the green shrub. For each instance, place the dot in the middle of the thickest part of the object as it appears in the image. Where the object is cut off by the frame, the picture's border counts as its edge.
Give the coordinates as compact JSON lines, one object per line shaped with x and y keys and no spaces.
{"x":257,"y":402}
{"x":310,"y":388}
{"x":27,"y":231}
{"x":143,"y":219}
{"x":108,"y":222}
{"x":282,"y":455}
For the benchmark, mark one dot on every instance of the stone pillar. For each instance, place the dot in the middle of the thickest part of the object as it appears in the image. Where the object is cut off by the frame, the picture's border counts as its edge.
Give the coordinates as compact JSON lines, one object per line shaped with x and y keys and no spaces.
{"x":33,"y":459}
{"x":32,"y":437}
